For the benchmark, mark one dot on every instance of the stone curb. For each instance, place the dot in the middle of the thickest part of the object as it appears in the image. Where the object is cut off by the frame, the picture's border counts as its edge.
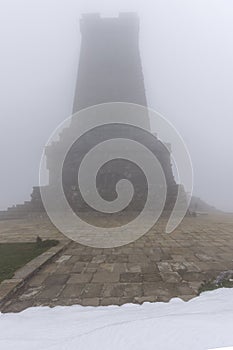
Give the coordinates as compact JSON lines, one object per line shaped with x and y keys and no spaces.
{"x":21,"y":276}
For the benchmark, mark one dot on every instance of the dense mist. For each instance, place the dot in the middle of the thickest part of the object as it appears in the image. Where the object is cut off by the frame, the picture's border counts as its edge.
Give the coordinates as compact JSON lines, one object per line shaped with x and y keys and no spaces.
{"x":187,"y":56}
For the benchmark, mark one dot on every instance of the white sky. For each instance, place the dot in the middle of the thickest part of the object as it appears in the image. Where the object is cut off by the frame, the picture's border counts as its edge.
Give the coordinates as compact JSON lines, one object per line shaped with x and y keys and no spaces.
{"x":187,"y":56}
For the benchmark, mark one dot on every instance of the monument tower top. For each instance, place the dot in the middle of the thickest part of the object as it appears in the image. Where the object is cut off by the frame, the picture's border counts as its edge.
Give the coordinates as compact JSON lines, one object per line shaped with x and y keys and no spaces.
{"x":110,"y":68}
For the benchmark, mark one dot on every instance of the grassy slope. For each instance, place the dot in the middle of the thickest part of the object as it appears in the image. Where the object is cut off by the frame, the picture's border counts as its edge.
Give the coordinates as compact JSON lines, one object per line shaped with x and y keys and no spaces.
{"x":16,"y":255}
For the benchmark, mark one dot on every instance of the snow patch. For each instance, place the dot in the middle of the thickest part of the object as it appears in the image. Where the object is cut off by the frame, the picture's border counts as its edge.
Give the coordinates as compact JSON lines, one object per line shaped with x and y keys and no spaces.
{"x":202,"y":323}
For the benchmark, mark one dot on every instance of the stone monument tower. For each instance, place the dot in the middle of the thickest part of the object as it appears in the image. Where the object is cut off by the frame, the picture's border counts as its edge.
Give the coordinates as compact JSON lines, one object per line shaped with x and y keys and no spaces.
{"x":110,"y":67}
{"x":110,"y":70}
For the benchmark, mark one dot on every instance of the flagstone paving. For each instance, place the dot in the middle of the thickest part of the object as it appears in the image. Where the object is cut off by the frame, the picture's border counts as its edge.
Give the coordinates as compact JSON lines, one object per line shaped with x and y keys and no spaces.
{"x":157,"y":267}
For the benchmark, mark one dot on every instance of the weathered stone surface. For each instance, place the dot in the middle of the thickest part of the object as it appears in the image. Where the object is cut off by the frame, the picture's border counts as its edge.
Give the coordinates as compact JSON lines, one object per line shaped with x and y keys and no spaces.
{"x":105,"y":276}
{"x":7,"y":287}
{"x":79,"y":267}
{"x":131,"y":277}
{"x":150,"y":299}
{"x":51,"y":292}
{"x":184,"y":289}
{"x":171,"y":277}
{"x":30,"y":293}
{"x":193,"y":276}
{"x":133,"y":268}
{"x":186,"y":297}
{"x":79,"y":278}
{"x":72,"y":291}
{"x":110,"y":301}
{"x":165,"y":267}
{"x":154,"y":288}
{"x":37,"y":280}
{"x":55,"y":279}
{"x":128,"y":273}
{"x":151,"y":277}
{"x":19,"y":306}
{"x":92,"y":290}
{"x":90,"y":302}
{"x":122,"y":290}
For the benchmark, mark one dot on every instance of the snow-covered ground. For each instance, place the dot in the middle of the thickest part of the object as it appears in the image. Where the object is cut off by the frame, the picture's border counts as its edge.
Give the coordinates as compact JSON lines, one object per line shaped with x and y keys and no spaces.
{"x":203,"y":323}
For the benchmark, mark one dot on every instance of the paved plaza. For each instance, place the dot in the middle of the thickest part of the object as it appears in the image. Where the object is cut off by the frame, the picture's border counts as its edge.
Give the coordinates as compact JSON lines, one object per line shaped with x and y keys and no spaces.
{"x":156,"y":267}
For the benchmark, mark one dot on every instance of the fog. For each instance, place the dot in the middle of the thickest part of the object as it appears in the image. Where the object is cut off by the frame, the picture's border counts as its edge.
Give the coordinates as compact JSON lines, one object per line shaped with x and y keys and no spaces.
{"x":187,"y":56}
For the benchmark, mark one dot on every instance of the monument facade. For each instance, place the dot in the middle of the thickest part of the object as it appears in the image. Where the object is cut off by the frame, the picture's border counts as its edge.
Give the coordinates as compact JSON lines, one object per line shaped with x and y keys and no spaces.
{"x":110,"y":70}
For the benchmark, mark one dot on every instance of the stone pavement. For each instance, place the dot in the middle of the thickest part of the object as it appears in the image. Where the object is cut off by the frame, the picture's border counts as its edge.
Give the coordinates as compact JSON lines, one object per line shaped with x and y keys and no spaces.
{"x":22,"y":230}
{"x":156,"y":267}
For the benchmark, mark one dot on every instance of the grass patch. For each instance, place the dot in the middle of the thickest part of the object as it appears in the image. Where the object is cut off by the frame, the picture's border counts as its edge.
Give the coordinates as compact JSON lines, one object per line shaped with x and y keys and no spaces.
{"x":15,"y":255}
{"x":211,"y":285}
